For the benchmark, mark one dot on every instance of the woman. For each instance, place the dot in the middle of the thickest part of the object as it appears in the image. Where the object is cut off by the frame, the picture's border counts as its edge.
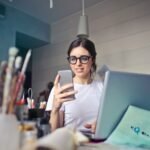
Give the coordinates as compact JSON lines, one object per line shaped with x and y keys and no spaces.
{"x":80,"y":113}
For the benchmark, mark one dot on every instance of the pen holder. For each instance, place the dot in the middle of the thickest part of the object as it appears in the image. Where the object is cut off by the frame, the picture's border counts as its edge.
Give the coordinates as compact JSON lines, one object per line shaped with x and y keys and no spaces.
{"x":21,"y":112}
{"x":9,"y":132}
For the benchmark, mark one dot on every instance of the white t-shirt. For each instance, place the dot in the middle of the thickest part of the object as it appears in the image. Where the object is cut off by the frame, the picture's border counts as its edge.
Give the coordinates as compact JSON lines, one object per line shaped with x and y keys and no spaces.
{"x":84,"y":108}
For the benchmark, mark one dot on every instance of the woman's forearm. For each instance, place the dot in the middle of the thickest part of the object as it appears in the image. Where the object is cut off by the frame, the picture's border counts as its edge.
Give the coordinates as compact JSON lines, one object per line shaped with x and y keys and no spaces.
{"x":54,"y":120}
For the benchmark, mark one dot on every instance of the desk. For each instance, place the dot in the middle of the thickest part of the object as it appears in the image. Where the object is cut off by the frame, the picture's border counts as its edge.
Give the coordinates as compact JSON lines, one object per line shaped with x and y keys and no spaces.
{"x":104,"y":146}
{"x":64,"y":139}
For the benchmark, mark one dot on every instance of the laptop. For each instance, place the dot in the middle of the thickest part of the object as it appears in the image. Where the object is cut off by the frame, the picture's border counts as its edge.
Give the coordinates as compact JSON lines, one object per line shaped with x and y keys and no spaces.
{"x":121,"y":89}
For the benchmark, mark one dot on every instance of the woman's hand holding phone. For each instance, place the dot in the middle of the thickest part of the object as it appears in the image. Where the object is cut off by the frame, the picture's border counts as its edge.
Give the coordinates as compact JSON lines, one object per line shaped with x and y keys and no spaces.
{"x":62,"y":93}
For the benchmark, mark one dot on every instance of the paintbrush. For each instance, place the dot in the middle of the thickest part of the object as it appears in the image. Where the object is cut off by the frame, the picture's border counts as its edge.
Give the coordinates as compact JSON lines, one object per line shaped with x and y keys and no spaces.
{"x":21,"y":76}
{"x":17,"y":65}
{"x":27,"y":58}
{"x":12,"y":54}
{"x":3,"y":68}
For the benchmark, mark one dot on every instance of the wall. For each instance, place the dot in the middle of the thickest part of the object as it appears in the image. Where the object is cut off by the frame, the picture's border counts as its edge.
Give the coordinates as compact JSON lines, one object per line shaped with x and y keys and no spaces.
{"x":16,"y":21}
{"x":120,"y":30}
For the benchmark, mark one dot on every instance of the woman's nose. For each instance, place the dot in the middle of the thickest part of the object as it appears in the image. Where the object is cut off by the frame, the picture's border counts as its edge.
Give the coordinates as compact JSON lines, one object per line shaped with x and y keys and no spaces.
{"x":78,"y":62}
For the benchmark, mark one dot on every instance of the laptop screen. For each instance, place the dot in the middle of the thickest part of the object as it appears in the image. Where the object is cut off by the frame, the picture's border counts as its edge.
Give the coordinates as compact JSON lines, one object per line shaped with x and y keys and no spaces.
{"x":121,"y":89}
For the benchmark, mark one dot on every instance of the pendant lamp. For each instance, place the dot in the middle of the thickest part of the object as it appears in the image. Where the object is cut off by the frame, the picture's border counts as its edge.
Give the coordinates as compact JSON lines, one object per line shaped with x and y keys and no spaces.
{"x":83,"y":28}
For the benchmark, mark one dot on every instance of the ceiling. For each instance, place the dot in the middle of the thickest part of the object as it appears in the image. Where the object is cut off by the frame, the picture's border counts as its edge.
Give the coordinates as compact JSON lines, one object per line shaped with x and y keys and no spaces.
{"x":42,"y":11}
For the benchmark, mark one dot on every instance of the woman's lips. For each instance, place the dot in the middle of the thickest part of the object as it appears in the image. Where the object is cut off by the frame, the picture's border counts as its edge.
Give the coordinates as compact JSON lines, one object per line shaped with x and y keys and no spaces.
{"x":79,"y":70}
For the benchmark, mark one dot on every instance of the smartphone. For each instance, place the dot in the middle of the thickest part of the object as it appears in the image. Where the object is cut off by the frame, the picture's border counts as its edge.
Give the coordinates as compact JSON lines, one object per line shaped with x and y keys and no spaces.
{"x":65,"y":78}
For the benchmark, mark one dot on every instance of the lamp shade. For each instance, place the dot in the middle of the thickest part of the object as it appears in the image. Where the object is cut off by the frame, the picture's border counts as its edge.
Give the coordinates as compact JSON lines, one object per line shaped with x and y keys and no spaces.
{"x":83,"y":28}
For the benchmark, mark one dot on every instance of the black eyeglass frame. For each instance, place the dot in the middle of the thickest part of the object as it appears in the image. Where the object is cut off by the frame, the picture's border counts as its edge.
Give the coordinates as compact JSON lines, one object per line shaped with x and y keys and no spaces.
{"x":80,"y":59}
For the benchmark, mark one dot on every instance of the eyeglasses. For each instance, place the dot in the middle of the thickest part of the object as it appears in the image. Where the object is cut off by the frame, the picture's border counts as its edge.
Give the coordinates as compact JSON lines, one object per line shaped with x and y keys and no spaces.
{"x":83,"y":59}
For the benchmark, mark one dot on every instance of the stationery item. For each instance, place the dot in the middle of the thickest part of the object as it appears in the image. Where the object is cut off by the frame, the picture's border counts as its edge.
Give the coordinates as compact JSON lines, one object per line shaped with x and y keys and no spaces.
{"x":42,"y":105}
{"x":21,"y":101}
{"x":30,"y":100}
{"x":36,"y":113}
{"x":20,"y":109}
{"x":133,"y":130}
{"x":12,"y":54}
{"x":3,"y":68}
{"x":18,"y":62}
{"x":21,"y":76}
{"x":26,"y":61}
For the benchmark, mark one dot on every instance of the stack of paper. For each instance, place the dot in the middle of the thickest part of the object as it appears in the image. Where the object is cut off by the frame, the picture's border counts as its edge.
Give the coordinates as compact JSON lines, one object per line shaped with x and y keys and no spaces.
{"x":133,"y":129}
